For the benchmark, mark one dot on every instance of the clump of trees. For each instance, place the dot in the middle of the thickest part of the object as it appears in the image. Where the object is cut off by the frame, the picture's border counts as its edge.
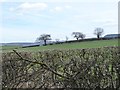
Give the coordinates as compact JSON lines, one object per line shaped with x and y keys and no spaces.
{"x":78,"y":35}
{"x":44,"y":37}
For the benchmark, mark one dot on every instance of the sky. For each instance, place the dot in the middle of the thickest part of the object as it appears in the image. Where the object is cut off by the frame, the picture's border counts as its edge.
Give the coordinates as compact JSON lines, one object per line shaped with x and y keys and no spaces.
{"x":25,"y":20}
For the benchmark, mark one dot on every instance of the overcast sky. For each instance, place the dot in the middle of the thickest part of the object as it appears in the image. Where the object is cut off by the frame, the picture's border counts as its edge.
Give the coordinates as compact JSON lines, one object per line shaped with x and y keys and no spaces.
{"x":25,"y":20}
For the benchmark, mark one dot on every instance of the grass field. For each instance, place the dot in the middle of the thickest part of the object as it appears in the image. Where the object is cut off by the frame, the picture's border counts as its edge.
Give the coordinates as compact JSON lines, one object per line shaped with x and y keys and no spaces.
{"x":76,"y":45}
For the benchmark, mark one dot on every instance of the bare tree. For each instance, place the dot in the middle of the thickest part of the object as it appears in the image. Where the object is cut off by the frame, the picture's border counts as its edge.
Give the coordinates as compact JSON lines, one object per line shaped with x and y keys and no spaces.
{"x":98,"y":31}
{"x":44,"y":37}
{"x":78,"y":35}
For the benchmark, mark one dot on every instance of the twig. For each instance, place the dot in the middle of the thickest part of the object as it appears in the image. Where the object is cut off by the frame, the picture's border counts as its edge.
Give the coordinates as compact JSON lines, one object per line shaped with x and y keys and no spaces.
{"x":42,"y":64}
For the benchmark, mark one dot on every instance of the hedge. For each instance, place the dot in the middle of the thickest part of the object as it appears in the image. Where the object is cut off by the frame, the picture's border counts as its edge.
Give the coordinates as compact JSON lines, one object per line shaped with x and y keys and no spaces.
{"x":96,"y":68}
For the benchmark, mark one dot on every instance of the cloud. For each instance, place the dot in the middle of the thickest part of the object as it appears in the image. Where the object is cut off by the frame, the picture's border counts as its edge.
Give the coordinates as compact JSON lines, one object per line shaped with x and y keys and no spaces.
{"x":107,"y":22}
{"x":60,"y":9}
{"x":23,"y":36}
{"x":11,"y":9}
{"x":3,"y":0}
{"x":104,"y":20}
{"x":57,"y":9}
{"x":29,"y":7}
{"x":60,"y":0}
{"x":111,"y":24}
{"x":68,"y":7}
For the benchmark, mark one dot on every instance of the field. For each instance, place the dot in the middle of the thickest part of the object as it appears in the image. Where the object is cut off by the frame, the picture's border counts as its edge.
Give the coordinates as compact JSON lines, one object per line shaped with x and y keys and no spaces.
{"x":77,"y":45}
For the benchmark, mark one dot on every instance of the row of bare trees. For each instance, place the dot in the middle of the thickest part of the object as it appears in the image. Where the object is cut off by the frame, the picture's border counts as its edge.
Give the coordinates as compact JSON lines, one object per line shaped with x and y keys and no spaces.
{"x":78,"y":35}
{"x":97,"y":31}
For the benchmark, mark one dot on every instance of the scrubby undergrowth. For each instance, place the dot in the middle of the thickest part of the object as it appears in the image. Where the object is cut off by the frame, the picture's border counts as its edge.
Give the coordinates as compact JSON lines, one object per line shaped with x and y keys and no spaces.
{"x":78,"y":68}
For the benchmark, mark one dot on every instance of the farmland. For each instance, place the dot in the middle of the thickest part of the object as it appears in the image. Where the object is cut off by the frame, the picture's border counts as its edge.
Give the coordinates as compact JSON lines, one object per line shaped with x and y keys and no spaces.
{"x":75,"y":45}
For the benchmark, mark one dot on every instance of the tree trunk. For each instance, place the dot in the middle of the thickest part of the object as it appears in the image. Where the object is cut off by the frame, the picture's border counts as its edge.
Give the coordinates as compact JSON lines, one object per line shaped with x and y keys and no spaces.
{"x":98,"y":36}
{"x":77,"y":39}
{"x":45,"y":42}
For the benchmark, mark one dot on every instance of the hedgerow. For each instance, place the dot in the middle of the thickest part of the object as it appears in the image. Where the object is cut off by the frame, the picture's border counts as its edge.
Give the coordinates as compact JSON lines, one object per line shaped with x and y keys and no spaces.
{"x":78,"y":68}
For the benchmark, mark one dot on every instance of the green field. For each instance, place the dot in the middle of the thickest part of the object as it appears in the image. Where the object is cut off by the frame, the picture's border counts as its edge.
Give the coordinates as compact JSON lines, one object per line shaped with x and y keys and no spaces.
{"x":76,"y":45}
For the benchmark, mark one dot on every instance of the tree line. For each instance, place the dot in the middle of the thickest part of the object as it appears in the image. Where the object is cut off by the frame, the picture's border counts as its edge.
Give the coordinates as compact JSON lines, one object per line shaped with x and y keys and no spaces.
{"x":78,"y":35}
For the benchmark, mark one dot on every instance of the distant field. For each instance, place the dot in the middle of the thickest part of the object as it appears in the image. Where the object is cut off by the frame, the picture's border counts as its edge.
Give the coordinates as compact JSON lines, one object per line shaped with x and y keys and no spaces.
{"x":76,"y":45}
{"x":9,"y":47}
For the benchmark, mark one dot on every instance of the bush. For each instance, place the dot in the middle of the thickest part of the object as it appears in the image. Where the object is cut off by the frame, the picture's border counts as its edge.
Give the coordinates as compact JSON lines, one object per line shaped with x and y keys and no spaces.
{"x":80,"y":68}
